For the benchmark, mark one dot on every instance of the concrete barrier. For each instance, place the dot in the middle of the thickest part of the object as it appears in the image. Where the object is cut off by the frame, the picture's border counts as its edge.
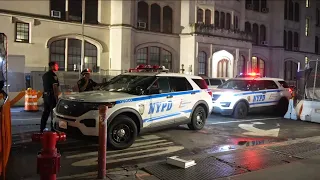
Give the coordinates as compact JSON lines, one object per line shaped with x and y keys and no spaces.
{"x":310,"y":111}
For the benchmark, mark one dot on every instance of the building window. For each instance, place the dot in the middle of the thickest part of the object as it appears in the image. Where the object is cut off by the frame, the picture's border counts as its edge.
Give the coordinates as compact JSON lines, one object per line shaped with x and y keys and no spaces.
{"x":223,"y":68}
{"x":202,"y":63}
{"x":317,"y":17}
{"x":57,"y":53}
{"x":258,"y":65}
{"x":58,"y":6}
{"x":228,"y":21}
{"x":155,"y":17}
{"x":290,"y":10}
{"x":263,"y":34}
{"x":200,"y":15}
{"x":247,"y":27}
{"x":290,"y":40}
{"x":307,"y":3}
{"x":222,"y":20}
{"x":316,"y":45}
{"x":296,"y":41}
{"x":255,"y":34}
{"x":166,"y":59}
{"x":256,"y":5}
{"x":167,"y":19}
{"x":236,"y":22}
{"x":286,"y":9}
{"x":207,"y":17}
{"x":154,"y":56}
{"x":142,"y":56}
{"x":307,"y":26}
{"x":285,"y":39}
{"x":241,"y":65}
{"x":75,"y":10}
{"x":297,"y":12}
{"x":22,"y":32}
{"x":216,"y":19}
{"x":143,"y":15}
{"x":290,"y":70}
{"x":263,"y":5}
{"x":73,"y":54}
{"x":91,"y":11}
{"x":90,"y":56}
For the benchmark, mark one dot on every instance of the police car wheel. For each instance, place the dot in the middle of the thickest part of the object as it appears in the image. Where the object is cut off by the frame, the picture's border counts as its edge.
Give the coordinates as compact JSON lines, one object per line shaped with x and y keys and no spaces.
{"x":198,"y":119}
{"x":240,"y":111}
{"x":122,"y":132}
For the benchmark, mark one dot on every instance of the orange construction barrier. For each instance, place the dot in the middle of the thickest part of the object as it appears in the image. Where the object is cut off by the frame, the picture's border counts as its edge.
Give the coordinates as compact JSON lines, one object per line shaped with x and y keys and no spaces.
{"x":31,"y":100}
{"x":17,"y":98}
{"x":5,"y":138}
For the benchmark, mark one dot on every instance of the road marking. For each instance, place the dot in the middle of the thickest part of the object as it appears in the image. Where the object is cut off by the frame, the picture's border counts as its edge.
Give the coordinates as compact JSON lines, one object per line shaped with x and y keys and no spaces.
{"x":164,"y":150}
{"x":253,"y":131}
{"x":147,"y":146}
{"x":114,"y":152}
{"x":249,"y":120}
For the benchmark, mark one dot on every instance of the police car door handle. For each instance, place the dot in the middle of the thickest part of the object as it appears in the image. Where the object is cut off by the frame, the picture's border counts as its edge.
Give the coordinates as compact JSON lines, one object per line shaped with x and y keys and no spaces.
{"x":169,"y":96}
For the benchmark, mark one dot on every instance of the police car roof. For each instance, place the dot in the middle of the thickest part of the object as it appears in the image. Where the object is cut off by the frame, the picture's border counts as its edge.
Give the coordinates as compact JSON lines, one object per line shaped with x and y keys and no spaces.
{"x":163,"y":74}
{"x":259,"y":78}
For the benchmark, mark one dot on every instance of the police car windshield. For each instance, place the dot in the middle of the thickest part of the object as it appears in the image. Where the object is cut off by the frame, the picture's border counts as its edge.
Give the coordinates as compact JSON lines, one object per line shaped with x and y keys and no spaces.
{"x":131,"y":84}
{"x":243,"y":85}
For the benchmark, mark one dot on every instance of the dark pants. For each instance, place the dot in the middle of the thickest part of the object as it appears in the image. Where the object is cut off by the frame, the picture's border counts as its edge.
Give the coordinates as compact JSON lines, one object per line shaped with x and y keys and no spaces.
{"x":49,"y":104}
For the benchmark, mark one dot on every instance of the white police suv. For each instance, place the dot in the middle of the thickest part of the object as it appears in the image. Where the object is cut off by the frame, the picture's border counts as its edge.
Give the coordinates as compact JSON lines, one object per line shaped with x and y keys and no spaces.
{"x":246,"y":93}
{"x":137,"y":101}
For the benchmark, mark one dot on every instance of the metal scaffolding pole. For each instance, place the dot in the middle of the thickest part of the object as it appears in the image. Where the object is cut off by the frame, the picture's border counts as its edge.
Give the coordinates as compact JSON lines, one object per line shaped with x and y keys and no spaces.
{"x":82,"y":33}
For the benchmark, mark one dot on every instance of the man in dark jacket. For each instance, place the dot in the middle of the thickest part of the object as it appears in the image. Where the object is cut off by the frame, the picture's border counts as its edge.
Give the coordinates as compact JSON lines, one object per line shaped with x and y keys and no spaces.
{"x":86,"y":83}
{"x":50,"y":94}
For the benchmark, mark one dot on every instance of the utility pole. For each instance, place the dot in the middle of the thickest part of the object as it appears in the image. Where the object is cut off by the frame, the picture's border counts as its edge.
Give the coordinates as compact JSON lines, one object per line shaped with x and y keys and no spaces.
{"x":83,"y":42}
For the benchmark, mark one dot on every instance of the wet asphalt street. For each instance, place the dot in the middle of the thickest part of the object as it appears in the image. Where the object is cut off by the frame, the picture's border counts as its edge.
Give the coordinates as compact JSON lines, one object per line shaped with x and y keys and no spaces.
{"x":220,"y":134}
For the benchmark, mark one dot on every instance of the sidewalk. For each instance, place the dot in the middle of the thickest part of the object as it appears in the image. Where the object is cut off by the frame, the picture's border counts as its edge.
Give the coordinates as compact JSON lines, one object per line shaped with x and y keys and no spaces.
{"x":292,"y":160}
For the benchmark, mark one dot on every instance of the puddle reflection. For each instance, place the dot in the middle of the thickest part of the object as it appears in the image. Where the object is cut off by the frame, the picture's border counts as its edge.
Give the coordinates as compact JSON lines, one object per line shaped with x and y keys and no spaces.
{"x":238,"y":143}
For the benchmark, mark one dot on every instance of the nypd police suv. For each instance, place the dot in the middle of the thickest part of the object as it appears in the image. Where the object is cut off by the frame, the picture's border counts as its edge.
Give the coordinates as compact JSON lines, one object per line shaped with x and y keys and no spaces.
{"x":245,"y":93}
{"x":136,"y":101}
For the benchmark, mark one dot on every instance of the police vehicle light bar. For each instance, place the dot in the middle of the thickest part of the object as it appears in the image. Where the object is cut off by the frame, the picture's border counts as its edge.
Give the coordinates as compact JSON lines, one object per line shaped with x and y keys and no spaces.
{"x":148,"y":68}
{"x":252,"y":74}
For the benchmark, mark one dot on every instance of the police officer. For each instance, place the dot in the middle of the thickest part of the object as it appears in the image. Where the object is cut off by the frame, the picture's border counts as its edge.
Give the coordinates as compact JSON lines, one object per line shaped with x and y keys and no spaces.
{"x":50,"y":94}
{"x":86,"y":83}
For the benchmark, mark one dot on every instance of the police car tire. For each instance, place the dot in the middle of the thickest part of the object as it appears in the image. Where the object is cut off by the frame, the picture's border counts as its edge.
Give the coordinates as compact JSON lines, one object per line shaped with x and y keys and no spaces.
{"x":121,"y":119}
{"x":237,"y":109}
{"x":194,"y":123}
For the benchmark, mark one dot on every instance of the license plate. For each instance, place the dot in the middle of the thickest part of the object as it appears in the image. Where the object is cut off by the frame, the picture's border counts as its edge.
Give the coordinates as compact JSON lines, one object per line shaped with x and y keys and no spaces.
{"x":63,"y":124}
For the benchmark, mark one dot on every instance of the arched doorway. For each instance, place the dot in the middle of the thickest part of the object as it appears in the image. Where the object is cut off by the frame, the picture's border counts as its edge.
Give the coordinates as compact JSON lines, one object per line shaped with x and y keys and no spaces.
{"x":223,"y":68}
{"x":222,"y":64}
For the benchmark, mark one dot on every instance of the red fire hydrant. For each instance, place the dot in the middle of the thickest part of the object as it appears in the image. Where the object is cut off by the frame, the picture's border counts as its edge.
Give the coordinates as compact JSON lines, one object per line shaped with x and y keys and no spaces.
{"x":48,"y":160}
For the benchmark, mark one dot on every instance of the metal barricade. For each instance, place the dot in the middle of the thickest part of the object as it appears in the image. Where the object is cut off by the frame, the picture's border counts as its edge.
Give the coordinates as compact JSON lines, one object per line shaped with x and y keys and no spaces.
{"x":313,"y":81}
